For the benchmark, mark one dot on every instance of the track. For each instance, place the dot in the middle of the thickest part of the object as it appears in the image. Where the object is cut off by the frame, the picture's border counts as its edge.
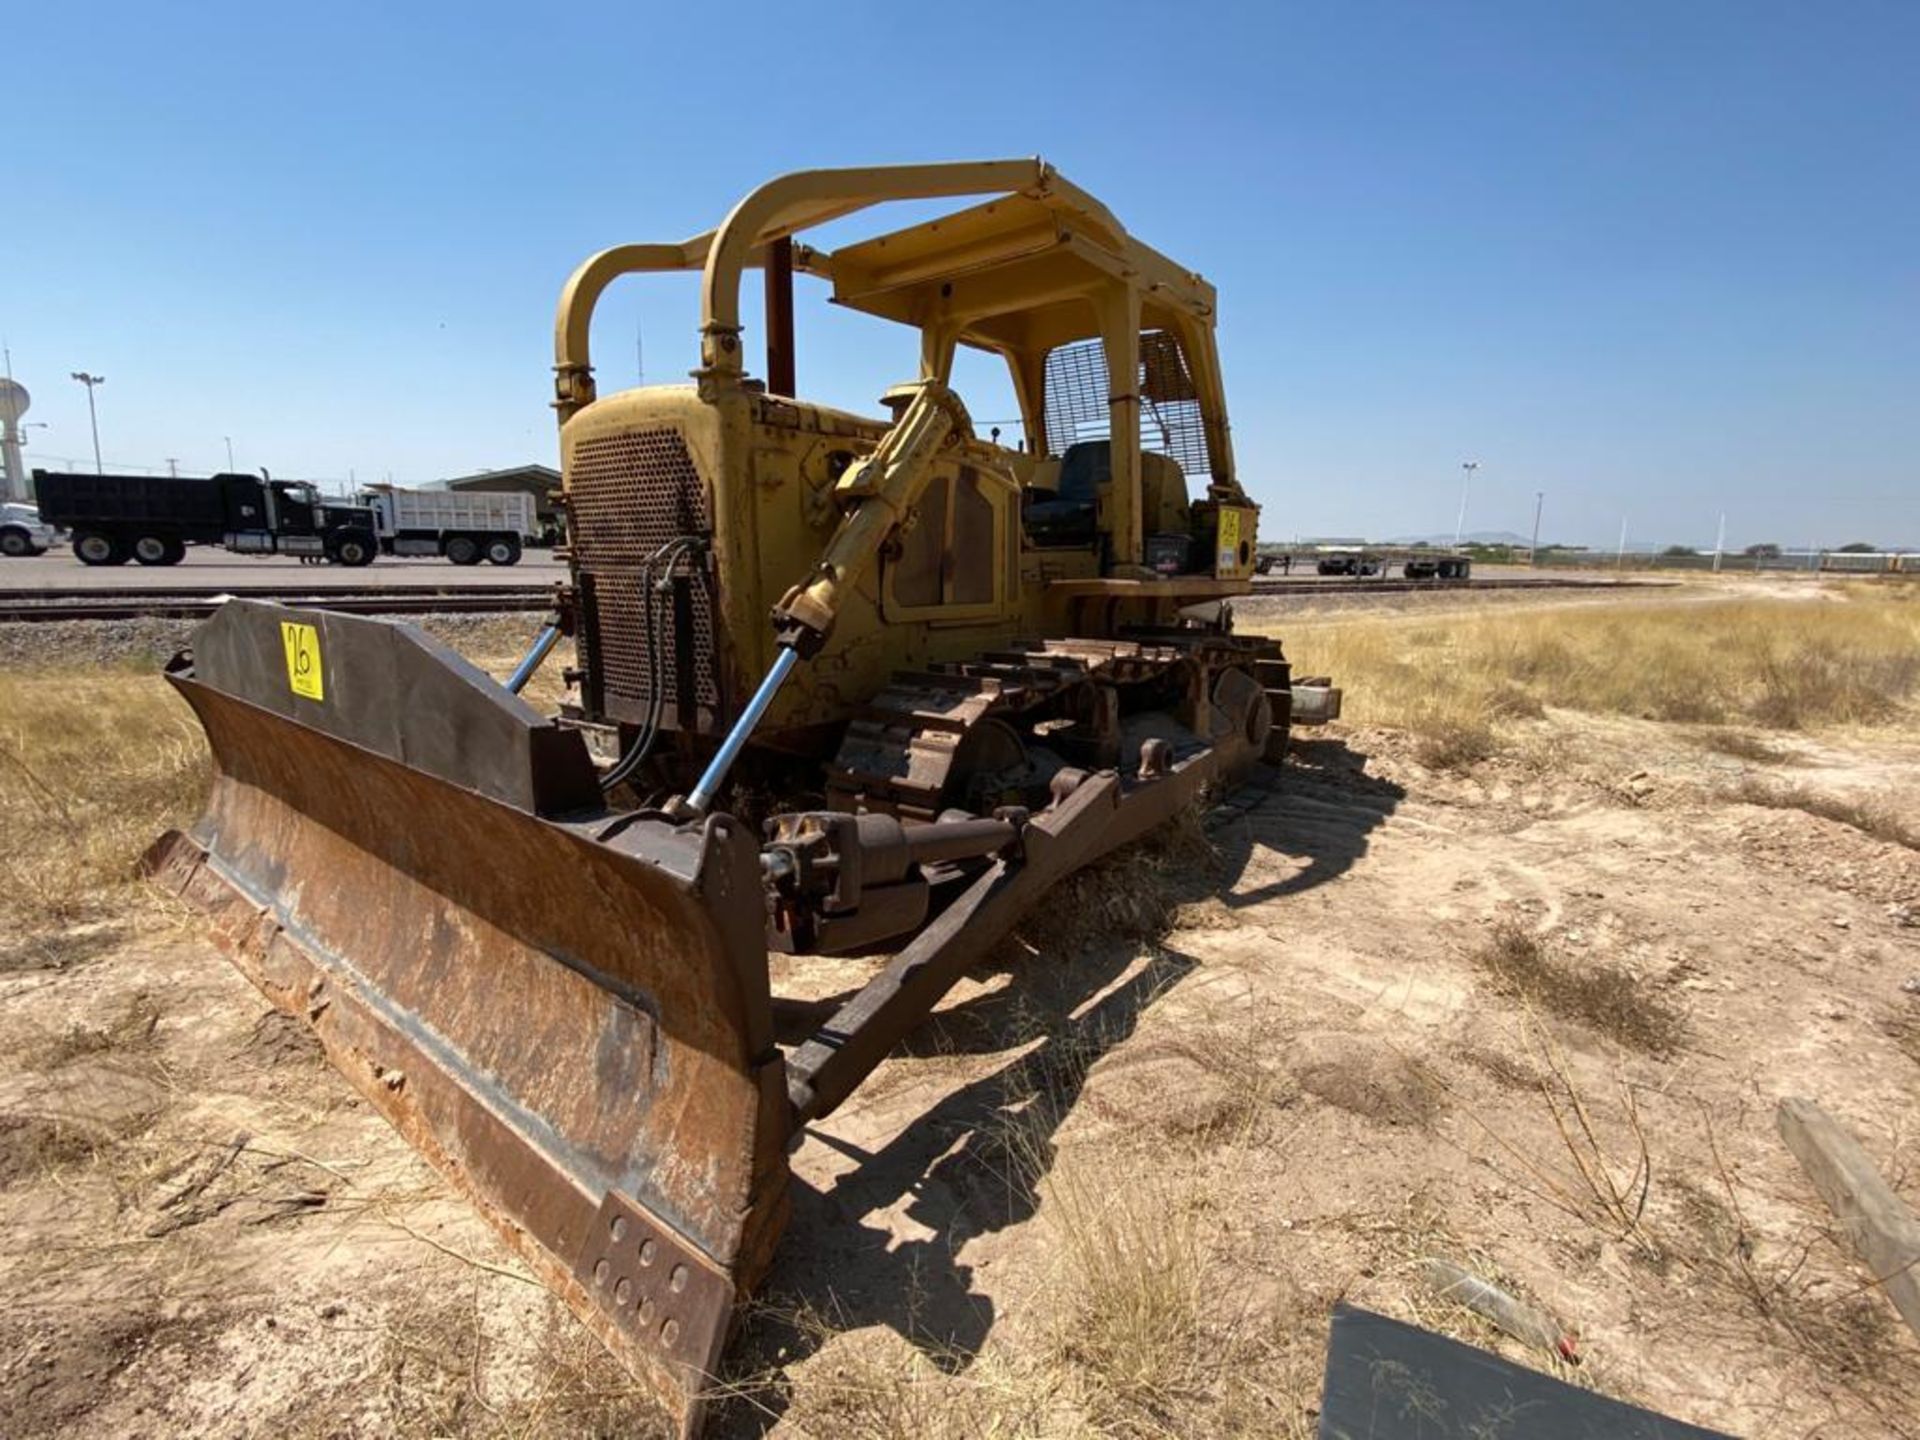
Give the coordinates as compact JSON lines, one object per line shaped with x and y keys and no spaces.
{"x":36,"y":605}
{"x":1314,"y":585}
{"x":962,"y":733}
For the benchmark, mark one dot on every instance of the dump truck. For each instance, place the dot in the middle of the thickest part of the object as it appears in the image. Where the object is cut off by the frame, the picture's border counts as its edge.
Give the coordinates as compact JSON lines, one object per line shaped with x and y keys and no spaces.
{"x":843,"y":684}
{"x":466,"y":526}
{"x":152,"y":519}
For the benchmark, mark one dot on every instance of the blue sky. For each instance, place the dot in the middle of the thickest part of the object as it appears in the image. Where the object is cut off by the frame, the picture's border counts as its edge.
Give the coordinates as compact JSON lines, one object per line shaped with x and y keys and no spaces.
{"x":1655,"y":260}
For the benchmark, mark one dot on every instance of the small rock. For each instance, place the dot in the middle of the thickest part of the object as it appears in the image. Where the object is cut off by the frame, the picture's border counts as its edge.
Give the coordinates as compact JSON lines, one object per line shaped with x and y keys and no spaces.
{"x":1840,"y":922}
{"x":1911,"y":985}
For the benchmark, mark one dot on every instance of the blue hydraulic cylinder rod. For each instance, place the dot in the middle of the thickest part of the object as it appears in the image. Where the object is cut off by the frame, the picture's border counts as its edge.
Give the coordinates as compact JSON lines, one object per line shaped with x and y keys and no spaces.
{"x":543,"y":644}
{"x":722,"y":762}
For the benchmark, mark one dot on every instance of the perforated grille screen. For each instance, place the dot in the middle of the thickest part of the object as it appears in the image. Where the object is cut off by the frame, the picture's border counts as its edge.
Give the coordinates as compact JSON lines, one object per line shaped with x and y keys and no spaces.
{"x":628,"y":495}
{"x":1170,"y":421}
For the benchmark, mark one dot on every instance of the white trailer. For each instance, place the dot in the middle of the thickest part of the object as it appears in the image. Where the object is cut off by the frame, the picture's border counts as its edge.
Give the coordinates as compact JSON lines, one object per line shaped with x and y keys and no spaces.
{"x":466,"y":526}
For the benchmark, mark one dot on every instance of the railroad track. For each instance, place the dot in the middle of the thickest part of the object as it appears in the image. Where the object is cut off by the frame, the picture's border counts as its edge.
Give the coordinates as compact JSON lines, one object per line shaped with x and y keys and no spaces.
{"x":42,"y":605}
{"x":1313,"y":585}
{"x":39,"y":605}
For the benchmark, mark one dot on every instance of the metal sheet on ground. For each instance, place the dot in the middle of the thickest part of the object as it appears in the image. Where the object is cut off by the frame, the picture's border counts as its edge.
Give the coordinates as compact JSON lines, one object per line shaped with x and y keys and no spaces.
{"x":1390,"y":1381}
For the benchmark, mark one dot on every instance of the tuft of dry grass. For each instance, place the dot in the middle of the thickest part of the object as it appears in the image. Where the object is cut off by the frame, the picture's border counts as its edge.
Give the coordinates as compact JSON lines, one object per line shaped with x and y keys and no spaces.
{"x":1133,"y":895}
{"x":1869,"y":815}
{"x":1849,"y":659}
{"x":1744,"y":745}
{"x":32,"y":1145}
{"x":1609,"y":1000}
{"x":454,"y":1362}
{"x":130,"y":1031}
{"x":1452,"y":741}
{"x":1135,"y":1304}
{"x":96,"y":764}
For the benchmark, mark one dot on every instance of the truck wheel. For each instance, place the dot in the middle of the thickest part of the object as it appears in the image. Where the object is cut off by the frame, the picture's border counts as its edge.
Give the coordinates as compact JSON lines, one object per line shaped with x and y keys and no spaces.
{"x":93,"y":548}
{"x":353,"y":549}
{"x":503,"y":550}
{"x":15,"y":544}
{"x":462,"y":550}
{"x":154,"y":550}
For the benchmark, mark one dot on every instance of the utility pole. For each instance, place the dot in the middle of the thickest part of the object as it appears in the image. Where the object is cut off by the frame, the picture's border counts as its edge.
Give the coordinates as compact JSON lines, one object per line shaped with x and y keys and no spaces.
{"x":1533,"y":547}
{"x":1467,"y":468}
{"x":173,"y":468}
{"x":92,"y":415}
{"x":229,"y":440}
{"x":1720,"y":542}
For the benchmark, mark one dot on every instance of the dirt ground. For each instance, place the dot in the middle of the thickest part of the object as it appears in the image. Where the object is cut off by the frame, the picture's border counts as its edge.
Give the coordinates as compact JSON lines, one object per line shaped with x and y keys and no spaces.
{"x":1532,"y":1015}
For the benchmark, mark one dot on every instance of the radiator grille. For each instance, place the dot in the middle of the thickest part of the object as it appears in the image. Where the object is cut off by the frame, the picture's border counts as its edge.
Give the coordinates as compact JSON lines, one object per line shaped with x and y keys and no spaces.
{"x":628,"y":495}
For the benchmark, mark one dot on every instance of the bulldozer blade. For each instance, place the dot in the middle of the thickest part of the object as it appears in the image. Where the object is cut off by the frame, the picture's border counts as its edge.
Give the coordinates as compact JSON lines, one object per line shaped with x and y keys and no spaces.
{"x":567,"y":1012}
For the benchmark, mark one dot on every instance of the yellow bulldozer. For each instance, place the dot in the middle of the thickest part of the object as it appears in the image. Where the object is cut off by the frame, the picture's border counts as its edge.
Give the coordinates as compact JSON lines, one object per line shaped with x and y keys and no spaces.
{"x":843,"y":684}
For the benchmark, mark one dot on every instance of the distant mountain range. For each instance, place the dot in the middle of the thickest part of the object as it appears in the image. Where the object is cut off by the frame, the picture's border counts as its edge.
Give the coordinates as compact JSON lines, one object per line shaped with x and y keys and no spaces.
{"x":1635,"y":545}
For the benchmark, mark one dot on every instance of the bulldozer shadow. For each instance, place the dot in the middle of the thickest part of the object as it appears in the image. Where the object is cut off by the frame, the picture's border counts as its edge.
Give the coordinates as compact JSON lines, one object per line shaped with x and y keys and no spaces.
{"x":1320,"y":810}
{"x":889,"y":1192}
{"x":878,"y":1243}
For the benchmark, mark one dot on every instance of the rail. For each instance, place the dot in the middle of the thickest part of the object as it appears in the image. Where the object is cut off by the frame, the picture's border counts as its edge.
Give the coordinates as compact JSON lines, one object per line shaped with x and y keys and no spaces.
{"x":1314,"y":585}
{"x":28,"y":606}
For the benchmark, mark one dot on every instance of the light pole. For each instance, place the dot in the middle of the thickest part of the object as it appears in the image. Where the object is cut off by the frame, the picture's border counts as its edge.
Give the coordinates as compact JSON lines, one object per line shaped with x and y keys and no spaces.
{"x":1467,"y":468}
{"x":93,"y":416}
{"x":229,"y":440}
{"x":1533,"y":546}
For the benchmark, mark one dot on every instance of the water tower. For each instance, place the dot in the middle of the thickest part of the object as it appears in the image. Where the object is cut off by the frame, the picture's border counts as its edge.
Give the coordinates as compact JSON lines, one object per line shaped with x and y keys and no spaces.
{"x":14,"y":401}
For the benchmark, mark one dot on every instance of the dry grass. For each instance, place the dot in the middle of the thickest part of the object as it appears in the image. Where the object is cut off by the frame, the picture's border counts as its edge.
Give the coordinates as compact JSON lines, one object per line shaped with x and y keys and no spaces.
{"x":97,"y":764}
{"x":1870,"y":815}
{"x":131,"y":1031}
{"x":33,"y":1145}
{"x":1456,"y":683}
{"x":439,"y":1363}
{"x":1613,"y":1002}
{"x":1619,"y":1170}
{"x":1142,"y":1335}
{"x":1134,"y":1311}
{"x":1131,"y":896}
{"x":876,"y":1385}
{"x":1744,"y":745}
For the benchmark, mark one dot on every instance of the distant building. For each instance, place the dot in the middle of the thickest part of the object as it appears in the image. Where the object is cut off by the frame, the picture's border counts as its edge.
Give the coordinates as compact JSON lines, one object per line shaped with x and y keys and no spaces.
{"x":542,"y":482}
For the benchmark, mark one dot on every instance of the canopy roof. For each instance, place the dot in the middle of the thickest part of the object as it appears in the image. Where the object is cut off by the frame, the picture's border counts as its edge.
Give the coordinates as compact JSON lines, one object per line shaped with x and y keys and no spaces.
{"x":1015,"y":272}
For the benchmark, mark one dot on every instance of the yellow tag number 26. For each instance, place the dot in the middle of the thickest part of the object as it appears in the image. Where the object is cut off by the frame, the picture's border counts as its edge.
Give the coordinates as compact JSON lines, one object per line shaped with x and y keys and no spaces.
{"x":303,"y":660}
